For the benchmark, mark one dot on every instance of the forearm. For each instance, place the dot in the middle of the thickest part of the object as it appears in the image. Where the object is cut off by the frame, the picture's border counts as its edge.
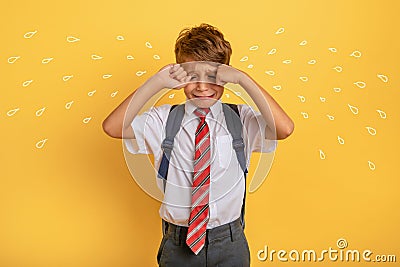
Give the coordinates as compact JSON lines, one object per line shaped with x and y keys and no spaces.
{"x":272,"y":113}
{"x":117,"y":124}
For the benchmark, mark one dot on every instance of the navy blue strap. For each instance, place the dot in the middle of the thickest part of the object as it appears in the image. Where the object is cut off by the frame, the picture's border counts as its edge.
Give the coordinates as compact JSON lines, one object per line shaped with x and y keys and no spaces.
{"x":172,"y":127}
{"x":235,"y":128}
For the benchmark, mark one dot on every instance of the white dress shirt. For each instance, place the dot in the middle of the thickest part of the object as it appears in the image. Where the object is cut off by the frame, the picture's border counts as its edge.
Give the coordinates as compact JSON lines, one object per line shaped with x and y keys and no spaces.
{"x":226,"y":177}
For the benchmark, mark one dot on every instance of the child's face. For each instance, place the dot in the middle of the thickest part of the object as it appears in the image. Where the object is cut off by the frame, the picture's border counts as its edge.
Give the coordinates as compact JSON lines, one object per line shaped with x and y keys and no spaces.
{"x":202,"y":90}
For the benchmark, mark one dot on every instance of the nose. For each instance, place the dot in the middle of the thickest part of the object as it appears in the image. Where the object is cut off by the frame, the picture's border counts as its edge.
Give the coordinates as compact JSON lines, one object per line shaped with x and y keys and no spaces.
{"x":202,"y":86}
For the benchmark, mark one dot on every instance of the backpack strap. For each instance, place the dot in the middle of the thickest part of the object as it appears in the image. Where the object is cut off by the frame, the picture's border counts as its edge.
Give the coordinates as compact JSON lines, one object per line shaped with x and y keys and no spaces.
{"x":174,"y":121}
{"x":235,"y":127}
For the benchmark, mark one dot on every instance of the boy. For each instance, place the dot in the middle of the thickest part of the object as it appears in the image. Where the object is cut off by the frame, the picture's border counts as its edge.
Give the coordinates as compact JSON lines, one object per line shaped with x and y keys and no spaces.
{"x":204,"y":193}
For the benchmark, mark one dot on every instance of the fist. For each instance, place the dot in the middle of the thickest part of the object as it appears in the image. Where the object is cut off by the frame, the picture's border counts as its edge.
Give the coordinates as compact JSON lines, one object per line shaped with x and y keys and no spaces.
{"x":172,"y":76}
{"x":227,"y":74}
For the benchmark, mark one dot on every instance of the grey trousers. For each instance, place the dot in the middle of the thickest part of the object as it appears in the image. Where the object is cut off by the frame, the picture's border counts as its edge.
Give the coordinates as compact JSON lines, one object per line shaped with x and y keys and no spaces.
{"x":226,"y":246}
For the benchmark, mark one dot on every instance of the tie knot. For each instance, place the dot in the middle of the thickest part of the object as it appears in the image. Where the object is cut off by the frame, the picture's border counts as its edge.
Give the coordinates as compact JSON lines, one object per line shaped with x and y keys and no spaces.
{"x":201,"y":112}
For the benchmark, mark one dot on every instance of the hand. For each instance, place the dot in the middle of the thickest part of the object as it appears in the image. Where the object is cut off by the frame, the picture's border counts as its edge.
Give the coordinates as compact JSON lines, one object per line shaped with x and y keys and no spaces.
{"x":172,"y":76}
{"x":227,"y":74}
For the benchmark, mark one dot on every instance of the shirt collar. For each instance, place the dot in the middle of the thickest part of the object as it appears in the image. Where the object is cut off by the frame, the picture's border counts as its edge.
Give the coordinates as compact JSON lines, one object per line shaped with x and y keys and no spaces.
{"x":214,"y":109}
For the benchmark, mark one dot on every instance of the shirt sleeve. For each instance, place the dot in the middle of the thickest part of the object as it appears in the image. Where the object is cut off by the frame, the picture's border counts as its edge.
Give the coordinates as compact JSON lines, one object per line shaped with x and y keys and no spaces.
{"x":149,"y":131}
{"x":254,"y":131}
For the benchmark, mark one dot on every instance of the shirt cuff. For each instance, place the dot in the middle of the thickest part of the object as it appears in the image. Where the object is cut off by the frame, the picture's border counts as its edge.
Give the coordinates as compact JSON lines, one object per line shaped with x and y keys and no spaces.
{"x":269,"y":146}
{"x":131,"y":145}
{"x":137,"y":145}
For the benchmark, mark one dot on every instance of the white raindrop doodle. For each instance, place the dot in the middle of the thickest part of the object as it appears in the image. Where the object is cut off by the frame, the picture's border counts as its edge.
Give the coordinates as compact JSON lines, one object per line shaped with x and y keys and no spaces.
{"x":371,"y":165}
{"x":72,"y":39}
{"x":96,"y":57}
{"x":302,"y":98}
{"x":41,"y":143}
{"x":148,"y":45}
{"x":29,"y":35}
{"x":360,"y":84}
{"x":272,"y":51}
{"x":340,"y":140}
{"x":67,"y":77}
{"x":12,"y":60}
{"x":270,"y":72}
{"x":140,"y":73}
{"x":356,"y":54}
{"x":69,"y":104}
{"x":381,"y":113}
{"x":11,"y":112}
{"x":321,"y":154}
{"x":304,"y":42}
{"x":353,"y":109}
{"x":27,"y":83}
{"x":305,"y":115}
{"x":91,"y":93}
{"x":40,"y":112}
{"x":86,"y":120}
{"x":338,"y":68}
{"x":384,"y":78}
{"x":371,"y":130}
{"x":47,"y":60}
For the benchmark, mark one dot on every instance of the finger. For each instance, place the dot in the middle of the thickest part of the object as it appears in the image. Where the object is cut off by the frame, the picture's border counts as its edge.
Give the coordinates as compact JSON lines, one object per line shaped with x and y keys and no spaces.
{"x":174,"y":68}
{"x":181,"y":75}
{"x":177,"y":67}
{"x":218,"y":77}
{"x":177,"y":72}
{"x":187,"y":79}
{"x":219,"y":81}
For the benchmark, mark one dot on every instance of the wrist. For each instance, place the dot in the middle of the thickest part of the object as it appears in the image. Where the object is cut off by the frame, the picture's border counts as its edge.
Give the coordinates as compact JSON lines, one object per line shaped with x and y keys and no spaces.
{"x":156,"y":82}
{"x":243,"y":79}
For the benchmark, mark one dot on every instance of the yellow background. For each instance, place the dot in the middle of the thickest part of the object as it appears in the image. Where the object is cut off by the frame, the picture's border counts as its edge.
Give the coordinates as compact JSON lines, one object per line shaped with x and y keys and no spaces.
{"x":73,"y":202}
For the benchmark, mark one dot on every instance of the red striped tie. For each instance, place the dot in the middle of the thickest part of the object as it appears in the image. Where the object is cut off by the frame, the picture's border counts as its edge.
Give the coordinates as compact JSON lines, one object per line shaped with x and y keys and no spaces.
{"x":198,"y":219}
